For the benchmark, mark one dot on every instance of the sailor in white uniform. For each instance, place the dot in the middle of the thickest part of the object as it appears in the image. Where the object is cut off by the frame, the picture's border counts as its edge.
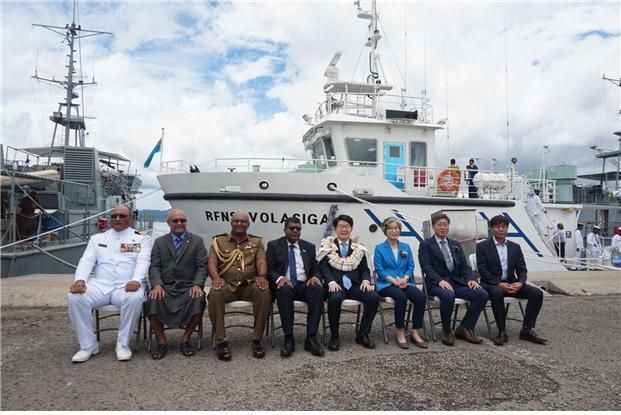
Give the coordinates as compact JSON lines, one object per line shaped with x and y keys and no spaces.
{"x":579,"y":244}
{"x":119,"y":261}
{"x":594,"y":246}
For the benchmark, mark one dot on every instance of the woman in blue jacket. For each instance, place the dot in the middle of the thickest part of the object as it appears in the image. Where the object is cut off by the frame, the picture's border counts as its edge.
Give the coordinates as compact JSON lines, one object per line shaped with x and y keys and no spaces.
{"x":394,"y":265}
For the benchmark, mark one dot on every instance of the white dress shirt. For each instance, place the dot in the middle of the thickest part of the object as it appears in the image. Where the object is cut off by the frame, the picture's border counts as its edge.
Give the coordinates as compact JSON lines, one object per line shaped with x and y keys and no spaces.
{"x":299,"y":263}
{"x":593,"y":241}
{"x":504,"y":258}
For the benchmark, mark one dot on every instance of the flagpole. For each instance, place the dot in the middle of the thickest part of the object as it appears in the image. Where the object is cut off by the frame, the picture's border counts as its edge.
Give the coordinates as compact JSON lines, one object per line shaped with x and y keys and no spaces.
{"x":162,"y":152}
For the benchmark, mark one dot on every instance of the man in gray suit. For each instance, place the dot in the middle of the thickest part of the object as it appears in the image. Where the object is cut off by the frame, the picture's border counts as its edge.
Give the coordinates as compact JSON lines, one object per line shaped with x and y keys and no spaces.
{"x":177,"y":275}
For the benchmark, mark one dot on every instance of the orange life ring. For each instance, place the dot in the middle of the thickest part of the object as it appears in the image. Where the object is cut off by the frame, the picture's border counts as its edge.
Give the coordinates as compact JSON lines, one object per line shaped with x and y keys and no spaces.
{"x":448,"y":180}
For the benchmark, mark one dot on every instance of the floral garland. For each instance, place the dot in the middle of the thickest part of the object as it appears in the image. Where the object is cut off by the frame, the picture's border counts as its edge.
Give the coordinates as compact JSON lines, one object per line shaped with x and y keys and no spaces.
{"x":329,"y":248}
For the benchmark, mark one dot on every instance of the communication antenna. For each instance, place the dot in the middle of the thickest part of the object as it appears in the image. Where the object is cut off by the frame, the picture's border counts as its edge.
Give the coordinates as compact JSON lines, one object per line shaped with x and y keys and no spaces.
{"x":507,"y":91}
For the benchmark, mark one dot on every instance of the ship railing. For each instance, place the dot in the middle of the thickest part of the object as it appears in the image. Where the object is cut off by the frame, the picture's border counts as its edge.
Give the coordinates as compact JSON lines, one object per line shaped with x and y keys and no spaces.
{"x":47,"y":224}
{"x":374,"y":105}
{"x":20,"y":160}
{"x":173,"y":167}
{"x":415,"y":180}
{"x":52,"y":227}
{"x":547,"y":189}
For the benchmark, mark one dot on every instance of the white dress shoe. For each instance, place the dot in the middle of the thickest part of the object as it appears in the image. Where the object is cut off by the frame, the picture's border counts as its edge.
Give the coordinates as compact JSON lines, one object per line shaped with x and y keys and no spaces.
{"x":84,"y":354}
{"x":123,"y":353}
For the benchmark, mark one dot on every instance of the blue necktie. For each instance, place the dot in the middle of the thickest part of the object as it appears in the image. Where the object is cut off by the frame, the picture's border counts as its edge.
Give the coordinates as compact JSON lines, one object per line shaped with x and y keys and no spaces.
{"x":177,"y":240}
{"x":344,"y":252}
{"x":293,"y":272}
{"x":447,"y":255}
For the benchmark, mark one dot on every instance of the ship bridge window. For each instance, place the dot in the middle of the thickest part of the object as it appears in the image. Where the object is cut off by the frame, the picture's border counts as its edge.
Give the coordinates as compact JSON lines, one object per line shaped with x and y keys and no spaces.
{"x":361,"y":151}
{"x":319,"y":156}
{"x":329,"y":148}
{"x":418,"y":154}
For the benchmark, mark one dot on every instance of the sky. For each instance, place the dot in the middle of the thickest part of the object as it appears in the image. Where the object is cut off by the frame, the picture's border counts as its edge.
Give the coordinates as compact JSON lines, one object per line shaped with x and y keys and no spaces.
{"x":233,"y":79}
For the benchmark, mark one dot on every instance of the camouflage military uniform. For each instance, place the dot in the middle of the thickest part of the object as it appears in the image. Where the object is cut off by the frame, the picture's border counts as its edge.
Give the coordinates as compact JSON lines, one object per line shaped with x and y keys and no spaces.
{"x":237,"y":265}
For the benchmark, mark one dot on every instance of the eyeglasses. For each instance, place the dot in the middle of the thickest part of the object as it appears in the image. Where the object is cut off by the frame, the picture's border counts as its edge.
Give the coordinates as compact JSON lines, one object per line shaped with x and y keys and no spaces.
{"x":239,"y":221}
{"x":294,"y":228}
{"x":178,"y":220}
{"x":118,"y":216}
{"x":344,"y":227}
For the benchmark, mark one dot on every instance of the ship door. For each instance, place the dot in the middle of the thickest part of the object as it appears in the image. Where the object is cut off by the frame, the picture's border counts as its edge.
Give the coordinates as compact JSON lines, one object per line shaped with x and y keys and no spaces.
{"x":394,"y":164}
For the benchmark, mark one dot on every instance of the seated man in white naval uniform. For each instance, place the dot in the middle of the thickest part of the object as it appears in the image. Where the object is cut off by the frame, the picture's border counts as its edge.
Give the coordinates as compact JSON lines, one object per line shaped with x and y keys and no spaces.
{"x":119,"y":260}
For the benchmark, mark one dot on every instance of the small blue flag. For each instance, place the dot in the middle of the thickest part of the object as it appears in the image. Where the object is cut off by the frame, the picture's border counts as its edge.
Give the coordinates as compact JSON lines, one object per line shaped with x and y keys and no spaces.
{"x":156,"y":149}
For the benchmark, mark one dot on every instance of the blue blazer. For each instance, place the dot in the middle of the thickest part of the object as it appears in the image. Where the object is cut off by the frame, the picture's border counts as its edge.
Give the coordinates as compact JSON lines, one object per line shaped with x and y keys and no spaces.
{"x":434,"y":266}
{"x":488,"y":263}
{"x":387,"y":266}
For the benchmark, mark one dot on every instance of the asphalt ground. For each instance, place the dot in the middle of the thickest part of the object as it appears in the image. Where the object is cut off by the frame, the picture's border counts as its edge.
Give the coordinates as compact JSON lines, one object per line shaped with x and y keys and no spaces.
{"x":578,"y":370}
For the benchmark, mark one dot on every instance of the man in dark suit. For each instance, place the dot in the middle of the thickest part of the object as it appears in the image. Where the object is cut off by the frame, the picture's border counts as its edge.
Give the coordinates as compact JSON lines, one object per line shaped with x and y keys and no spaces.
{"x":344,"y":267}
{"x":177,"y":276}
{"x":502,"y":269}
{"x":294,"y":275}
{"x":448,"y":275}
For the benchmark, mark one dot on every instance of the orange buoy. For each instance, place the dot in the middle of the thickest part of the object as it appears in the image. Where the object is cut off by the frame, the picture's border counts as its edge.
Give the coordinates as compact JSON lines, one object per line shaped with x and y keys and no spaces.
{"x":448,"y":180}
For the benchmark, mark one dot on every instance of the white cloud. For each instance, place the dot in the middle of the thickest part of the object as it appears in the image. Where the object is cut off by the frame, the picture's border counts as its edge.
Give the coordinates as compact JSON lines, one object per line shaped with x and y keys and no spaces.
{"x":251,"y":69}
{"x":185,"y":66}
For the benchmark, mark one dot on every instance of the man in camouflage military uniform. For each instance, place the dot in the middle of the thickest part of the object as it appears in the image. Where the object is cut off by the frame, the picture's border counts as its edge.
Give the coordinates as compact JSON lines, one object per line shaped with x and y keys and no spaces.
{"x":238,"y":270}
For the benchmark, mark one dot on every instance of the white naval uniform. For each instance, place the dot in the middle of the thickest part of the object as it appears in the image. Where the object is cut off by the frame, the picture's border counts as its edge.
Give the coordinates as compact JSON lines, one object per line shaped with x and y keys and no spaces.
{"x":114,"y":258}
{"x":579,"y":244}
{"x":594,"y":246}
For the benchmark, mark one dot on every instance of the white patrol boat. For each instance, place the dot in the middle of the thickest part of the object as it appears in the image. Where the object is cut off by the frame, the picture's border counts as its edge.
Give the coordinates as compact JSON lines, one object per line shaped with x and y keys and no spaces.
{"x":372,"y":154}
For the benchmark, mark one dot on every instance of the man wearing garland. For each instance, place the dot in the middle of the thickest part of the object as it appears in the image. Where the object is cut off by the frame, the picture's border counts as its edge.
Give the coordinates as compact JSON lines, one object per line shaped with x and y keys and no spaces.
{"x":238,"y":270}
{"x":346,"y":274}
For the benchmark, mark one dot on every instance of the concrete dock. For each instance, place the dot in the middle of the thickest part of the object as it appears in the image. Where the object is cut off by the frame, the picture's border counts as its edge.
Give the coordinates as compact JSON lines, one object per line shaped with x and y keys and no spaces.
{"x":578,"y":370}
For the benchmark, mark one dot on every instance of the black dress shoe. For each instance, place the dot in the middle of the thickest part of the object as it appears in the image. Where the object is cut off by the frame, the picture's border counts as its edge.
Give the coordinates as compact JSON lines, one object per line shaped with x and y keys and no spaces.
{"x":364,"y":340}
{"x":288,"y":347}
{"x":531,"y":336}
{"x":257,"y":349}
{"x":465,"y":334}
{"x":501,"y":339}
{"x":223,"y":352}
{"x":334,"y":344}
{"x":312,"y":345}
{"x":448,"y":338}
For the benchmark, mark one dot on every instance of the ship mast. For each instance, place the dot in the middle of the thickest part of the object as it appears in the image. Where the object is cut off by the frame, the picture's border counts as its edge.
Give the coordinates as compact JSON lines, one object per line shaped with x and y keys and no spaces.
{"x":68,"y":120}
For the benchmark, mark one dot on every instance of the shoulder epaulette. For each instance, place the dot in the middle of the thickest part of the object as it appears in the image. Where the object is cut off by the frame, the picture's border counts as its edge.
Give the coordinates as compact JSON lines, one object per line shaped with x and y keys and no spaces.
{"x":221,"y":234}
{"x":254,"y":236}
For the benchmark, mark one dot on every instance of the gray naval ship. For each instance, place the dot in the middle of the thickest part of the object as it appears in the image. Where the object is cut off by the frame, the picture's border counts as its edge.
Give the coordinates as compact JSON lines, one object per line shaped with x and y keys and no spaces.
{"x":54,"y":198}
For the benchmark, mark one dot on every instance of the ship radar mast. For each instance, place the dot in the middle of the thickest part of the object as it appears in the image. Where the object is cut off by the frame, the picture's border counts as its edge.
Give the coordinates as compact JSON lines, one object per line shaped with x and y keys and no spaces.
{"x":71,"y":118}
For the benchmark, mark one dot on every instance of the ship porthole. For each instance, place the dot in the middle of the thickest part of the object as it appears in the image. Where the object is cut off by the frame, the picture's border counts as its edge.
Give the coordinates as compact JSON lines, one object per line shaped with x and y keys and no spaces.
{"x":332,"y":186}
{"x":373,"y":228}
{"x":264,"y":185}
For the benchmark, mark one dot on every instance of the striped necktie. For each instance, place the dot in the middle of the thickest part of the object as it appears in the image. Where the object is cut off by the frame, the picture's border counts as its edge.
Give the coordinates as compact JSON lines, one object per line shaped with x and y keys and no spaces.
{"x":178,"y":243}
{"x":447,"y":255}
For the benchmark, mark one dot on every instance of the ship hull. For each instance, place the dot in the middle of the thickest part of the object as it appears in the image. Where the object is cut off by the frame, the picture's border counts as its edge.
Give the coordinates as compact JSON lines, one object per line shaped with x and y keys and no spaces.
{"x":209,"y":200}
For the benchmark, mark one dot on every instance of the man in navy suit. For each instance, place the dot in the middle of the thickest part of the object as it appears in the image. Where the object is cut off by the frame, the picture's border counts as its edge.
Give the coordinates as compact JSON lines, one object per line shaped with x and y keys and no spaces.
{"x":294,"y":275}
{"x":448,"y":275}
{"x":503,"y":273}
{"x":343,"y":265}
